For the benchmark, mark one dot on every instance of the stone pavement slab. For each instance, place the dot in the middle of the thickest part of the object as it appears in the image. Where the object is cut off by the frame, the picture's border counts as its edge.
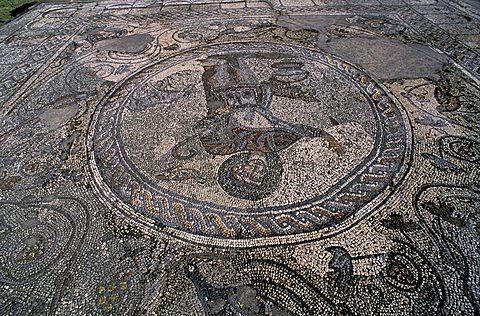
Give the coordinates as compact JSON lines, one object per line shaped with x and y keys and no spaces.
{"x":210,"y":157}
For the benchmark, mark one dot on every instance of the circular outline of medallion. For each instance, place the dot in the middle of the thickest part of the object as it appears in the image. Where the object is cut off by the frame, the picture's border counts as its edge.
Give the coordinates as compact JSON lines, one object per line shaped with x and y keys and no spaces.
{"x":119,"y":184}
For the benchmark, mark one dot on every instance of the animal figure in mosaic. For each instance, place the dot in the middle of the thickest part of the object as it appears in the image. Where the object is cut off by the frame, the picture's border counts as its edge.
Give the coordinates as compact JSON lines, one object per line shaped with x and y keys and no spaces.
{"x":341,"y":264}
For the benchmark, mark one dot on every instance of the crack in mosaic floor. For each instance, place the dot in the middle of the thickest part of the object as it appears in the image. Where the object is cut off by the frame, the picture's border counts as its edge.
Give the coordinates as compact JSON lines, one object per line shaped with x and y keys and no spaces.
{"x":240,"y":158}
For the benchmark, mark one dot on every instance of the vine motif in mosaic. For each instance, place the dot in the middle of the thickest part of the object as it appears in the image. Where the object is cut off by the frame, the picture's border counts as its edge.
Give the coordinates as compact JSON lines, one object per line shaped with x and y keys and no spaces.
{"x":36,"y":237}
{"x":17,"y":79}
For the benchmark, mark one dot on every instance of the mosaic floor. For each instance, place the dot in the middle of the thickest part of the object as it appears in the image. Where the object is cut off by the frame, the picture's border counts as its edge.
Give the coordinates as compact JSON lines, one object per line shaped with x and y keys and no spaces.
{"x":241,"y":158}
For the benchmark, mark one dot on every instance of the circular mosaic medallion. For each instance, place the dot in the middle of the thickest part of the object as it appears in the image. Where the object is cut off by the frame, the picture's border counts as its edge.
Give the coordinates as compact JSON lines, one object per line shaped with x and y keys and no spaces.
{"x":246,"y":141}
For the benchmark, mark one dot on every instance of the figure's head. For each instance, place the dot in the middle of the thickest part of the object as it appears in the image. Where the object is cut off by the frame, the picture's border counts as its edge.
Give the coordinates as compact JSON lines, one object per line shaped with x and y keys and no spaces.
{"x":251,"y":176}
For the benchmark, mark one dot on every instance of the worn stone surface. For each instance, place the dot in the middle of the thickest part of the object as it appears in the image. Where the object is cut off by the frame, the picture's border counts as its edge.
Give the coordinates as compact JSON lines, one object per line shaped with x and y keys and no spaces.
{"x":240,"y":158}
{"x":388,"y":58}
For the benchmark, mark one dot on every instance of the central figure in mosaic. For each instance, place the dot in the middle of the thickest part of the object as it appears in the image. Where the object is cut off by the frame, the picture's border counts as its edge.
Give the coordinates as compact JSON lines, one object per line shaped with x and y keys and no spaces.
{"x":240,"y":125}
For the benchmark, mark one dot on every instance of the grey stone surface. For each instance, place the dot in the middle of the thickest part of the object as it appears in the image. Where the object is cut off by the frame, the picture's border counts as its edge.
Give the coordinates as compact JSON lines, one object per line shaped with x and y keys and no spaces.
{"x":356,"y":39}
{"x":128,"y":44}
{"x":388,"y":58}
{"x":240,"y":158}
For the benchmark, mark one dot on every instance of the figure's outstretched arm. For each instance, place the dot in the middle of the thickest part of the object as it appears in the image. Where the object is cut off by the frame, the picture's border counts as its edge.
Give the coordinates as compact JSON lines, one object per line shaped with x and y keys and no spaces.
{"x":332,"y":142}
{"x":301,"y":130}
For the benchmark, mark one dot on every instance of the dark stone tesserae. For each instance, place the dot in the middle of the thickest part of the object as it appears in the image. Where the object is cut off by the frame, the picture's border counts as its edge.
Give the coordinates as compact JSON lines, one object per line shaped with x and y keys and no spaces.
{"x":206,"y":157}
